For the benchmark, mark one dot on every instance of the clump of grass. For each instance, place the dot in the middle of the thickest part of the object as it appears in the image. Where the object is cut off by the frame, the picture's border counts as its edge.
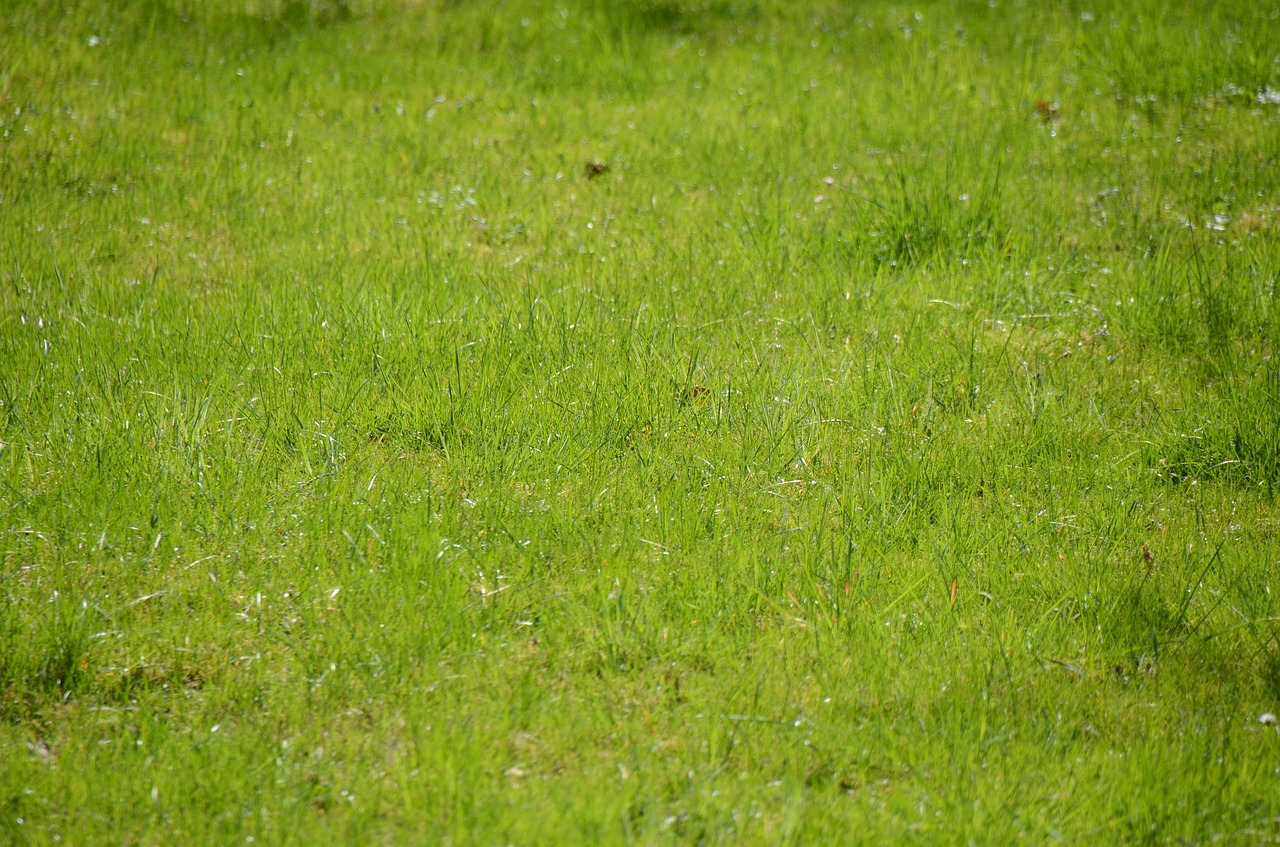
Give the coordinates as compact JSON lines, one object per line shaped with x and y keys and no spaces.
{"x":56,"y":660}
{"x":919,"y":218}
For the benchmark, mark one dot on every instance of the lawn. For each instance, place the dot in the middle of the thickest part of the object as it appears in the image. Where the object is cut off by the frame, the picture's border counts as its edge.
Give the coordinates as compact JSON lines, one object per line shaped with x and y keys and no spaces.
{"x":648,"y":421}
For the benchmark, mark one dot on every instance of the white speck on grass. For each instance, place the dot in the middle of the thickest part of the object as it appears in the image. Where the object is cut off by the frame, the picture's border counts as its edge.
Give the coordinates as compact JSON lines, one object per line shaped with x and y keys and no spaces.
{"x":1267,"y":719}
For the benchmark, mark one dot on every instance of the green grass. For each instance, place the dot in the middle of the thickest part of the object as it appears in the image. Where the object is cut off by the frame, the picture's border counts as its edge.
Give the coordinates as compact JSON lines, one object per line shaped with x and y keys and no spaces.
{"x":883,"y":447}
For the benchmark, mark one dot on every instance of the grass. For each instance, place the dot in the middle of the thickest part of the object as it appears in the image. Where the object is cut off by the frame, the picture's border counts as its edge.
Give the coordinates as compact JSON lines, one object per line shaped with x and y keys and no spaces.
{"x":658,"y":422}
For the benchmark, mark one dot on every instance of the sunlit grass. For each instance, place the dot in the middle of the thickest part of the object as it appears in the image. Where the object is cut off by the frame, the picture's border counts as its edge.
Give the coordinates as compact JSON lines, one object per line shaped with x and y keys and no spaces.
{"x":650,"y":421}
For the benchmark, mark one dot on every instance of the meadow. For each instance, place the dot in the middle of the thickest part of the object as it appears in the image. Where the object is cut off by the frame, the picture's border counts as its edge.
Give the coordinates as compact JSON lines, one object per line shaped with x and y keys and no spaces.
{"x":654,"y":421}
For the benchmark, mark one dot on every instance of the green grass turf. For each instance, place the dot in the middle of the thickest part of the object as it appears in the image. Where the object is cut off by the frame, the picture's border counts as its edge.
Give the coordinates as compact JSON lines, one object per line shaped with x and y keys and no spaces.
{"x":740,"y":422}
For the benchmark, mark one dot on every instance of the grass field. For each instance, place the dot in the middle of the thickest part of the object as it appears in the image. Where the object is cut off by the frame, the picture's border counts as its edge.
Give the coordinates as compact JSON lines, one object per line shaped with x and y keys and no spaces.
{"x":719,"y":421}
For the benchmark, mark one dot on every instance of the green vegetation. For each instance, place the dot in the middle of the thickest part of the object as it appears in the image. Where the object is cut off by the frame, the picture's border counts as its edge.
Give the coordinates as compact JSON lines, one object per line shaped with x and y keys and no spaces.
{"x":743,"y":422}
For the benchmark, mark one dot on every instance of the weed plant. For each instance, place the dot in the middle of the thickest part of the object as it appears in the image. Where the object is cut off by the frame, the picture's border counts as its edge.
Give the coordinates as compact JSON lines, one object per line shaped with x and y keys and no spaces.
{"x":742,"y":422}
